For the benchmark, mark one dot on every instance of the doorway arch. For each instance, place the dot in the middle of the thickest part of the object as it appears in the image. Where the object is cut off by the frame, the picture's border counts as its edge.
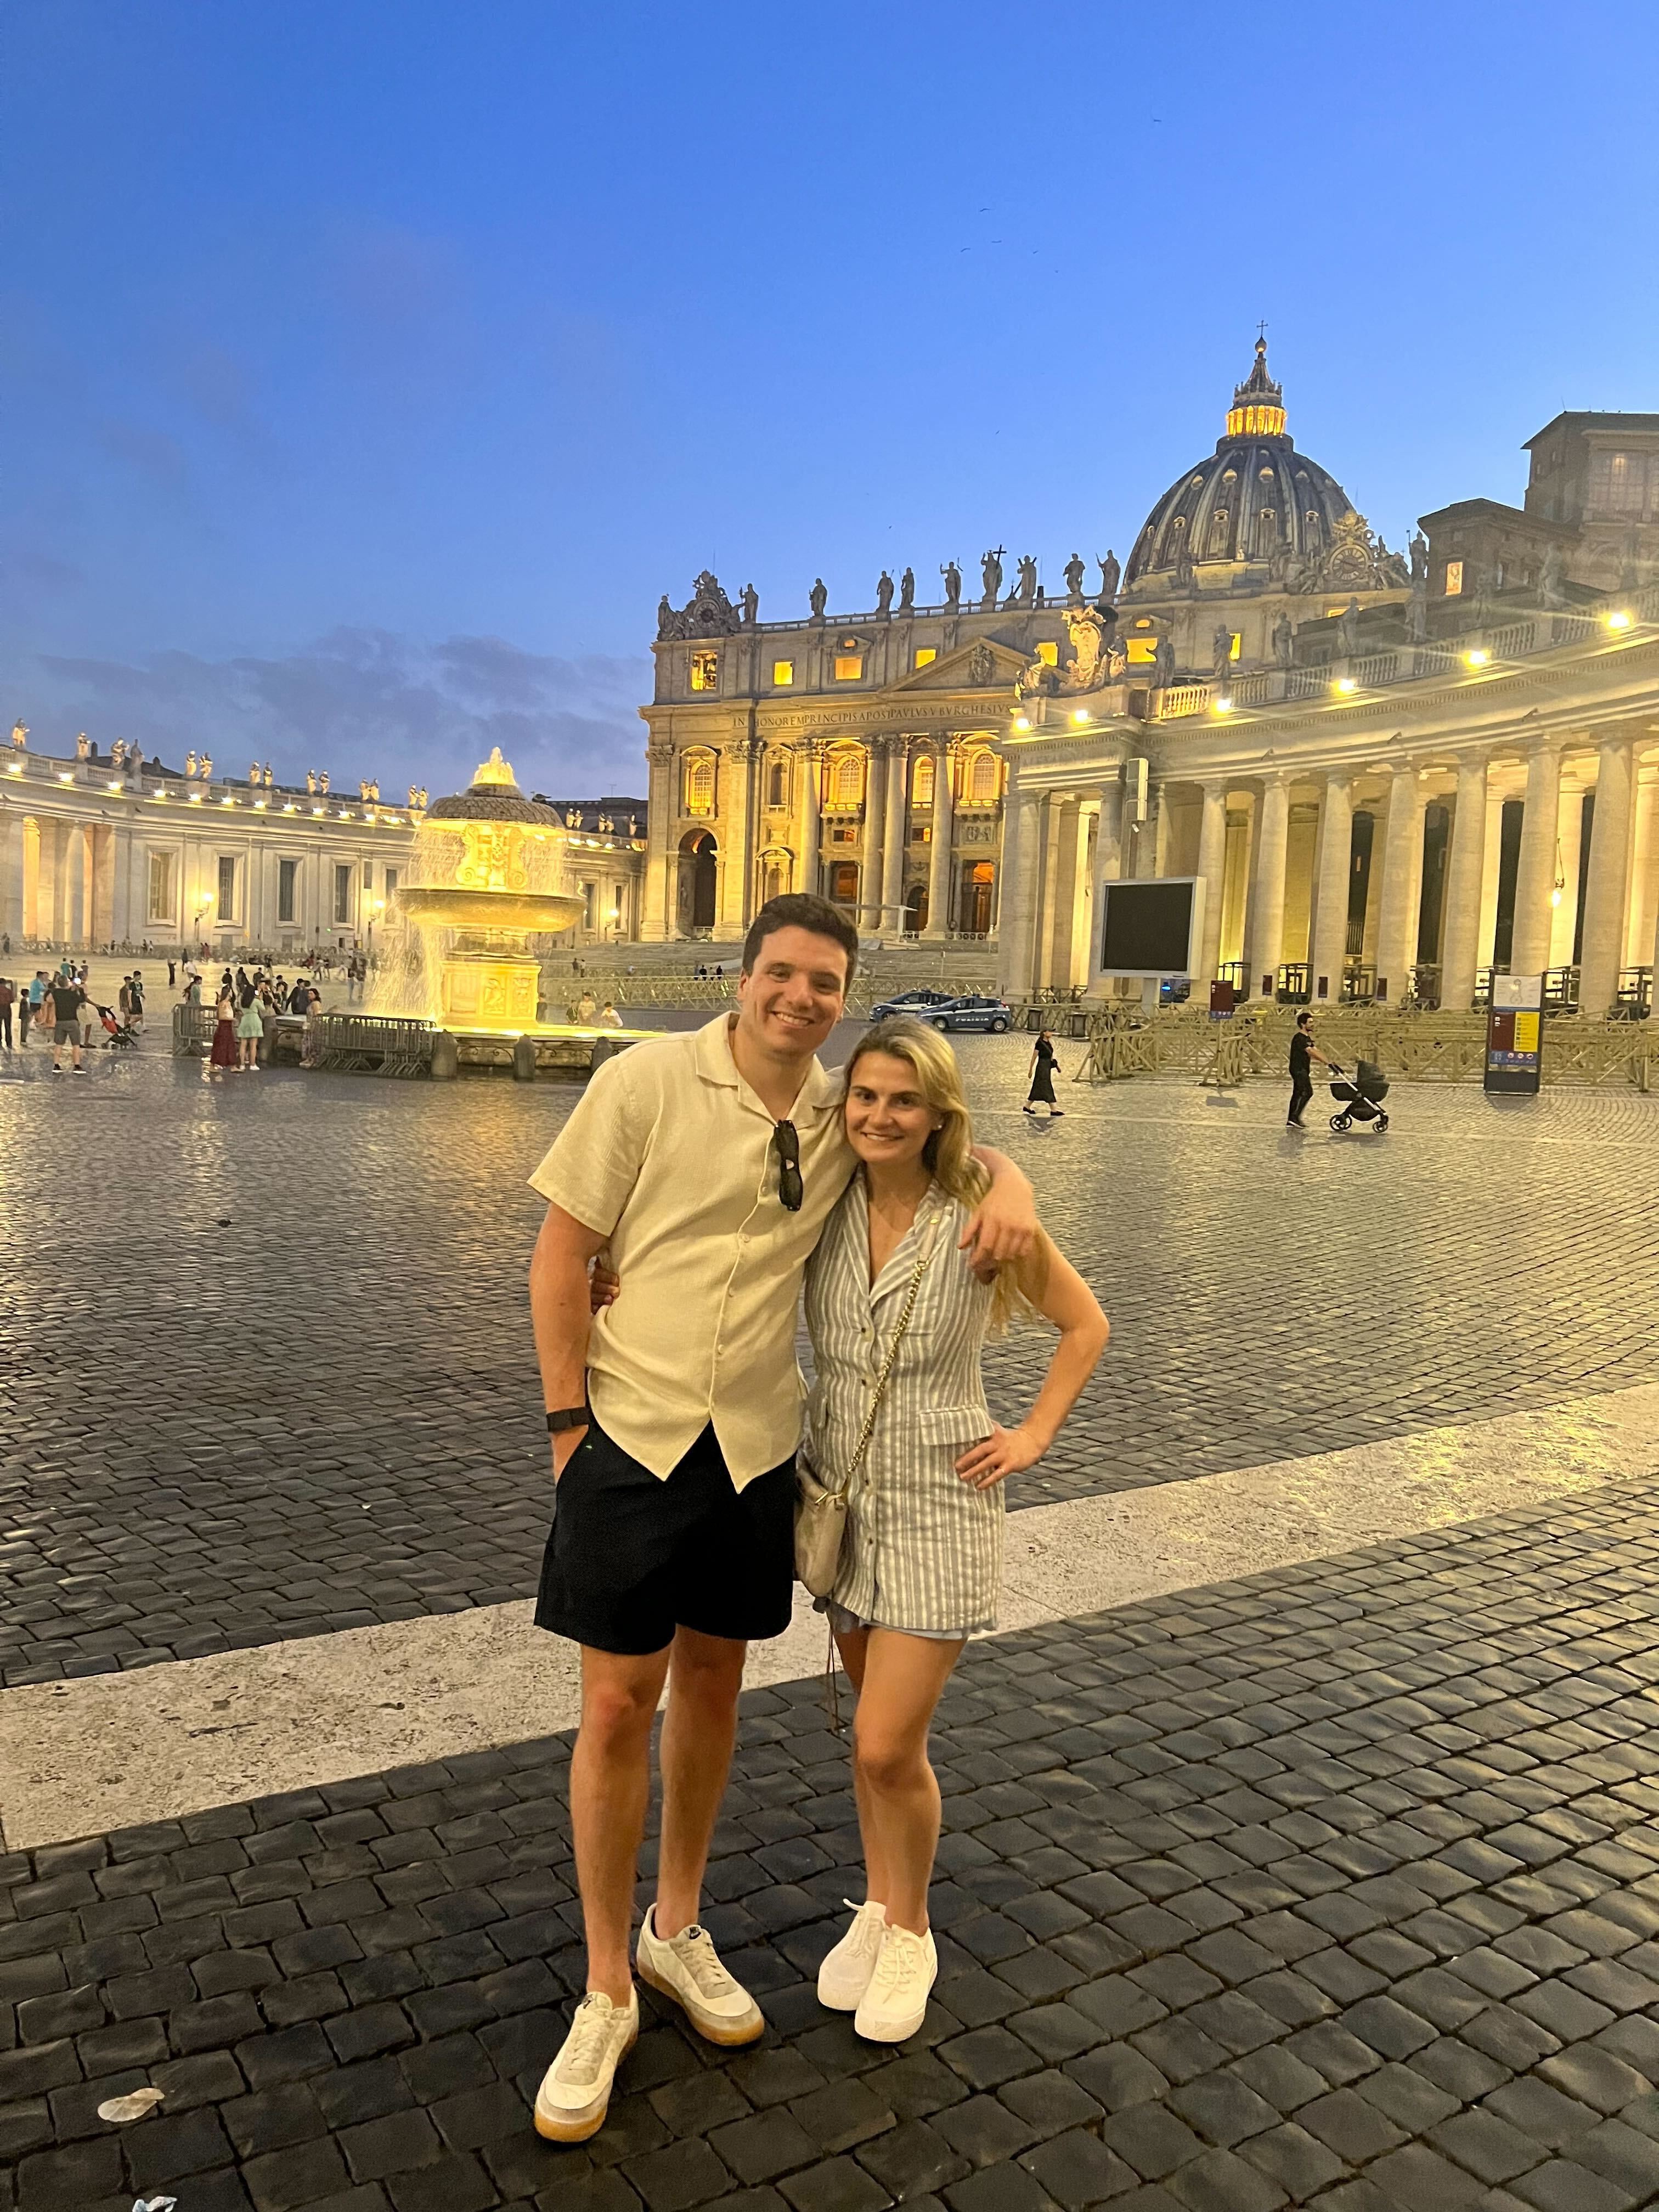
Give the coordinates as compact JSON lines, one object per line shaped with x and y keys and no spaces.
{"x":699,"y":880}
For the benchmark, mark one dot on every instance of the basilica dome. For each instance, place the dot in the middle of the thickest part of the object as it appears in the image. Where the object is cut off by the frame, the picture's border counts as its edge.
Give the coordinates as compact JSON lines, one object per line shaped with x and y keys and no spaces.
{"x":1254,"y":499}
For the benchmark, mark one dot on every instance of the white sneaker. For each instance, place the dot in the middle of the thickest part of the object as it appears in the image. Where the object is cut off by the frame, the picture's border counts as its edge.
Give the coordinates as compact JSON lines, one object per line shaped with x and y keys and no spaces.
{"x":687,"y":1969}
{"x":575,"y":2092}
{"x":895,"y":2003}
{"x":845,"y":1974}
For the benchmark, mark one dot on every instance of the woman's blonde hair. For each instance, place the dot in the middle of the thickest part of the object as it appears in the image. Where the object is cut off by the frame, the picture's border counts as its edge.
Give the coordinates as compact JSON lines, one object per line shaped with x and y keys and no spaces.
{"x":948,"y":1154}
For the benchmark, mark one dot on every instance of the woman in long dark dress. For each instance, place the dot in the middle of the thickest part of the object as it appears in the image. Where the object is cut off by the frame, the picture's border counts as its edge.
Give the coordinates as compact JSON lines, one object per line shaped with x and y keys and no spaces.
{"x":1042,"y":1070}
{"x":224,"y":1036}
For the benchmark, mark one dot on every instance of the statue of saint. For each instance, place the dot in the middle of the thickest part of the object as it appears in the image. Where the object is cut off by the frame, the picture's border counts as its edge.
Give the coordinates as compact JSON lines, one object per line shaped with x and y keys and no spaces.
{"x":1417,"y":610}
{"x":1551,"y":578}
{"x":411,"y":798}
{"x":190,"y":762}
{"x":1072,"y":573}
{"x":751,"y":600}
{"x":1109,"y":573}
{"x":253,"y":775}
{"x":907,"y":590}
{"x":82,"y":750}
{"x":265,"y":775}
{"x":1420,"y":552}
{"x":990,"y":565}
{"x":1284,"y":641}
{"x":884,"y":593}
{"x":665,"y":616}
{"x":118,"y":753}
{"x":1163,"y":660}
{"x":362,"y":789}
{"x":951,"y":573}
{"x":207,"y":768}
{"x":1025,"y":590}
{"x":322,"y":783}
{"x":1347,"y":631}
{"x":1221,"y":653}
{"x":820,"y":598}
{"x":19,"y":734}
{"x":310,"y":780}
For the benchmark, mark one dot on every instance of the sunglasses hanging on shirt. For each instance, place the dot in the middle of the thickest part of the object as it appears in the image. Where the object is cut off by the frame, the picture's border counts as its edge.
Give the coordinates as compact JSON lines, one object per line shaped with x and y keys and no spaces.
{"x":791,"y":1189}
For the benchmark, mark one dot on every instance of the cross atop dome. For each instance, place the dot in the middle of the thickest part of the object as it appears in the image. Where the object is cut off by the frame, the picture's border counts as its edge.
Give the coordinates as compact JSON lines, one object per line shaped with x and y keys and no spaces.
{"x":1258,"y":408}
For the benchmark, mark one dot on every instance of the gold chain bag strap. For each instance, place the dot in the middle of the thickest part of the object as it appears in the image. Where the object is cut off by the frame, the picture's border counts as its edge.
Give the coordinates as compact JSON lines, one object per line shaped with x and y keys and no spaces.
{"x":820,"y":1511}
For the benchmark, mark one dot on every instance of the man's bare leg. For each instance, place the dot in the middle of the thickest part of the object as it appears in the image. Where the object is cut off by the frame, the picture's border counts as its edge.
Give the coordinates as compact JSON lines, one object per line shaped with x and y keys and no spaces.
{"x":609,"y":1786}
{"x":698,"y":1730}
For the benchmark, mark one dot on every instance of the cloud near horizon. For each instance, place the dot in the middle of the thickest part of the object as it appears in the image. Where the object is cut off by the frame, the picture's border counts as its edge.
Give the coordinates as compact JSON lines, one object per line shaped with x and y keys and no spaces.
{"x":359,"y":702}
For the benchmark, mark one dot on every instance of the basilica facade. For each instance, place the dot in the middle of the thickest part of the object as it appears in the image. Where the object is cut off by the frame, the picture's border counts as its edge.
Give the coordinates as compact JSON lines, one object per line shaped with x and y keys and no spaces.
{"x":1394,"y":770}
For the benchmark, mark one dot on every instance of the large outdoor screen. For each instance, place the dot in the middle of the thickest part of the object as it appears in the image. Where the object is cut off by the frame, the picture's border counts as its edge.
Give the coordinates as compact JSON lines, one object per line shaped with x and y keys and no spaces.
{"x":1148,"y":927}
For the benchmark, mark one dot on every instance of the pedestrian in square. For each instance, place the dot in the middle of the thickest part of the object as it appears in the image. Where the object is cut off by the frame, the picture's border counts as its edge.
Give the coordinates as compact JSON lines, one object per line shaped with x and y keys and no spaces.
{"x":1303,"y":1049}
{"x":707,"y":1163}
{"x":223,"y":1055}
{"x":8,"y":998}
{"x":61,"y":1008}
{"x":1042,"y":1070}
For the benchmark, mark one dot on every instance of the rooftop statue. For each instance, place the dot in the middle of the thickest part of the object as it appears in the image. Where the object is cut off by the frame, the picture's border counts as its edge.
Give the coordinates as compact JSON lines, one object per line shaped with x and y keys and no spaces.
{"x":310,"y":778}
{"x":884,"y":593}
{"x":1109,"y":572}
{"x":1163,"y":660}
{"x":1419,"y":551}
{"x":952,"y":576}
{"x":190,"y":762}
{"x":1284,"y":641}
{"x":990,"y":566}
{"x":20,"y":734}
{"x":83,"y":750}
{"x":817,"y":598}
{"x":907,"y":590}
{"x":1025,"y":591}
{"x":1073,"y":574}
{"x":1347,"y":631}
{"x":1221,"y":652}
{"x":1551,"y":578}
{"x":749,"y":599}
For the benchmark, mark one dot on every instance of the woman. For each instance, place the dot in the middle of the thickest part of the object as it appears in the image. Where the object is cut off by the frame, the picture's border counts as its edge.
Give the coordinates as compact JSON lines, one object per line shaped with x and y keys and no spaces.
{"x":250,"y":1030}
{"x":1043,"y":1072}
{"x":223,"y":1054}
{"x":311,"y":1043}
{"x":921,"y":1561}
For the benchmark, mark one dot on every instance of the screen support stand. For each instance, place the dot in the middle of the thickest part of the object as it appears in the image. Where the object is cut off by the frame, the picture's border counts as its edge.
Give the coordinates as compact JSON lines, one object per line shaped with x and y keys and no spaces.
{"x":1150,"y":988}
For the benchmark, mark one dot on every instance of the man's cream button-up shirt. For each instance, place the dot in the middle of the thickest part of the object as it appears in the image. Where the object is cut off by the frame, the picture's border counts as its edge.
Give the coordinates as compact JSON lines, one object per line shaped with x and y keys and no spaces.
{"x":670,"y":1156}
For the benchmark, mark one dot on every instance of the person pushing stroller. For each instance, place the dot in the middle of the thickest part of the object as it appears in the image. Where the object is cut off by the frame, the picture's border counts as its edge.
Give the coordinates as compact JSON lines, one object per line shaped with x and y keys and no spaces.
{"x":1303,"y":1050}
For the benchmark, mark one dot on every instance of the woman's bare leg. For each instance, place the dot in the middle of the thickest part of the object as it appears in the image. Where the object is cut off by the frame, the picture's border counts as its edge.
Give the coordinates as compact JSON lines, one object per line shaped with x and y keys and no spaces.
{"x":899,"y":1679}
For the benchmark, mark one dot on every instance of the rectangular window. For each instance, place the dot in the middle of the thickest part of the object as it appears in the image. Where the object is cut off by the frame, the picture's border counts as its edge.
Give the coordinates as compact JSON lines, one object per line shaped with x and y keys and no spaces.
{"x":162,"y":904}
{"x":1143,"y":651}
{"x":226,"y":888}
{"x":783,"y":674}
{"x":1618,"y":483}
{"x":587,"y":890}
{"x":705,"y":672}
{"x":1233,"y":649}
{"x":849,"y":666}
{"x":924,"y":656}
{"x":342,"y":895}
{"x":1048,"y":652}
{"x":1453,"y":579}
{"x":288,"y":875}
{"x":390,"y":887}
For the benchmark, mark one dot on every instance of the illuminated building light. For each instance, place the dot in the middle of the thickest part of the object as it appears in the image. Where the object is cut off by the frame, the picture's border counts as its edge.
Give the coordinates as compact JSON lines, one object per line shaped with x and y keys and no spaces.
{"x":1618,"y":619}
{"x":1223,"y":706}
{"x":1022,"y":722}
{"x":1346,"y":684}
{"x":1477,"y":657}
{"x":1081,"y":714}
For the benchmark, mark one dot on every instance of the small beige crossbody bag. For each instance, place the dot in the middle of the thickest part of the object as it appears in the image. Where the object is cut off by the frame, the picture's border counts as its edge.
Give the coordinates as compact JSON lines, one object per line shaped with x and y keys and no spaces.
{"x":820,"y":1511}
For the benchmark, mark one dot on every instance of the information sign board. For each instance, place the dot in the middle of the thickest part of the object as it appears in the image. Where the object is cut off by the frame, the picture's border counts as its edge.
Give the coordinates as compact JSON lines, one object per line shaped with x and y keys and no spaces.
{"x":1514,"y":1035}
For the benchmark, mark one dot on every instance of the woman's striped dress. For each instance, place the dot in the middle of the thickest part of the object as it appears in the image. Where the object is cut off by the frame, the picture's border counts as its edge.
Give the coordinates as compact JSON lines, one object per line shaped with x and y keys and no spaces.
{"x":925,"y":1550}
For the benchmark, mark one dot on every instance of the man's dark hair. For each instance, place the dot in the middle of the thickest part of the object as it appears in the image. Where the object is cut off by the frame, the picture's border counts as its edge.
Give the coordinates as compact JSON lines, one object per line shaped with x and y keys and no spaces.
{"x":1302,"y":1019}
{"x":800,"y":911}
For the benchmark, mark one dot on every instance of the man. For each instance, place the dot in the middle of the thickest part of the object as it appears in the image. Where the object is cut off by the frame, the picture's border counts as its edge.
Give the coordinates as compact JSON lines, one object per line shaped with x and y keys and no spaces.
{"x":65,"y":998}
{"x":1303,"y":1049}
{"x":708,"y":1162}
{"x":136,"y":988}
{"x":34,"y":1001}
{"x":7,"y":996}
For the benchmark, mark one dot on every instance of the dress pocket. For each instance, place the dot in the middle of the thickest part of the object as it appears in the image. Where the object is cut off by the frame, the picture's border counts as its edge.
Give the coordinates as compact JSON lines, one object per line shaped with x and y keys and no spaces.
{"x":952,"y":1425}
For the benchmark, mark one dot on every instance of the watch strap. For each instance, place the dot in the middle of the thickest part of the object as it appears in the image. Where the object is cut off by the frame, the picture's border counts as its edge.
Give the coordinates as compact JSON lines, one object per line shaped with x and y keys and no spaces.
{"x":569,"y":1417}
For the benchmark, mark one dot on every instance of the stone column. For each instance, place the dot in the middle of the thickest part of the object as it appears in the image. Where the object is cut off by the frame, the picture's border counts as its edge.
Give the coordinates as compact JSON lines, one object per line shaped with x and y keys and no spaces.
{"x":657,"y":919}
{"x":1266,"y":916}
{"x":1107,"y":865}
{"x":1329,"y":946}
{"x":940,"y":920}
{"x":1213,"y":867}
{"x":1462,"y":938}
{"x":11,"y":875}
{"x":1569,"y":841}
{"x":1402,"y":885}
{"x":895,"y":841}
{"x":1062,"y":886}
{"x":1535,"y":879}
{"x":101,"y":886}
{"x":1021,"y":860}
{"x":1605,"y":891}
{"x":809,"y":767}
{"x":735,"y":816}
{"x":870,"y":862}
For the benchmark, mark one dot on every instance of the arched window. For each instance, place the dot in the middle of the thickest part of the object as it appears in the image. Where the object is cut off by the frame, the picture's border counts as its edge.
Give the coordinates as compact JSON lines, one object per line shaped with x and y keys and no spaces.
{"x":777,"y":786}
{"x":847,"y":780}
{"x":983,"y":777}
{"x":1267,"y":532}
{"x":921,"y":781}
{"x":700,"y":783}
{"x":1218,"y":522}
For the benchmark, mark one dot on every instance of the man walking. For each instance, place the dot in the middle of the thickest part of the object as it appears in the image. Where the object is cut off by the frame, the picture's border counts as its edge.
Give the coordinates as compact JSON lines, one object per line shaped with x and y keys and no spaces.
{"x":65,"y":998}
{"x":1303,"y":1049}
{"x":707,"y":1164}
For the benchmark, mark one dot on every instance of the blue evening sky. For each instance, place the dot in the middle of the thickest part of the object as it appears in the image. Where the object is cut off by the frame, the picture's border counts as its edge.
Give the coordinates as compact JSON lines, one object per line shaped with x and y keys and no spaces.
{"x":370,"y":366}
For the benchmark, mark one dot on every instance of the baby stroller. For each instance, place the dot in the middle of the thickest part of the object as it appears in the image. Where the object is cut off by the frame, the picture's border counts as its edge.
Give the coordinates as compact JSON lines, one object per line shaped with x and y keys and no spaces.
{"x":1361,"y":1099}
{"x":119,"y":1036}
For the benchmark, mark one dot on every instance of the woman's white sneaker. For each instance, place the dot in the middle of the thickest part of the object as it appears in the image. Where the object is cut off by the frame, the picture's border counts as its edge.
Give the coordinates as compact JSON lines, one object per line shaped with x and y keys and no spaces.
{"x":687,"y":1968}
{"x":845,"y":1974}
{"x":895,"y":2003}
{"x":575,"y":2092}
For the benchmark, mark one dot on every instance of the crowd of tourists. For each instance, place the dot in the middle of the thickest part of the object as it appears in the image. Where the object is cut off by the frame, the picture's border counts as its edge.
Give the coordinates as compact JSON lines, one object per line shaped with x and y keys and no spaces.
{"x":246,"y":1008}
{"x":703,"y":1180}
{"x":57,"y":1006}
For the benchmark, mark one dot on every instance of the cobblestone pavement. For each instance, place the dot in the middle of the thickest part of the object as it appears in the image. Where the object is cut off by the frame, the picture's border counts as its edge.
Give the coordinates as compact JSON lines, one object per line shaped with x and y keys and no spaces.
{"x":1338,"y":1887}
{"x":271,"y":1361}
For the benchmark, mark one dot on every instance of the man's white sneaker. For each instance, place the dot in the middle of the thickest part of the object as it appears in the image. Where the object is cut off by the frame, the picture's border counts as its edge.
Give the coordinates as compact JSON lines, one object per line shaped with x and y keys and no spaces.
{"x":845,"y":1974}
{"x":575,"y":2092}
{"x":895,"y":2003}
{"x":687,"y":1968}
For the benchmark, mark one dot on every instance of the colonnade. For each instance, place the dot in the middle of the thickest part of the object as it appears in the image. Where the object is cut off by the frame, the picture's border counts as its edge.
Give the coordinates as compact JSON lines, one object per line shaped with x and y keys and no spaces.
{"x":1394,"y":880}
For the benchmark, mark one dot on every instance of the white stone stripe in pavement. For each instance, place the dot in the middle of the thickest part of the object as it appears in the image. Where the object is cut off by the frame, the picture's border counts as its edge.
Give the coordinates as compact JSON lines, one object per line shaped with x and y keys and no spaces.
{"x":79,"y":1758}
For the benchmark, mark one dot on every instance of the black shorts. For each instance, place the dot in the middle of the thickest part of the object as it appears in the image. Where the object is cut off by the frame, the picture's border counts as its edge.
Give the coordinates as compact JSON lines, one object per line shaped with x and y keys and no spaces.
{"x":632,"y":1556}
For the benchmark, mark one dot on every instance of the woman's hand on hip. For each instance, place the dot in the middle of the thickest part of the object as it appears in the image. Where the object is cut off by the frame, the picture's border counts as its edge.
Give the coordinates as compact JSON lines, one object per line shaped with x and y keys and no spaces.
{"x":1004,"y":1452}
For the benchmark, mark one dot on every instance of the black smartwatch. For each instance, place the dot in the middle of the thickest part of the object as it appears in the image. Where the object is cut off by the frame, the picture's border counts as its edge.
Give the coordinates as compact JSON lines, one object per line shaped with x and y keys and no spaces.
{"x":569,"y":1417}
